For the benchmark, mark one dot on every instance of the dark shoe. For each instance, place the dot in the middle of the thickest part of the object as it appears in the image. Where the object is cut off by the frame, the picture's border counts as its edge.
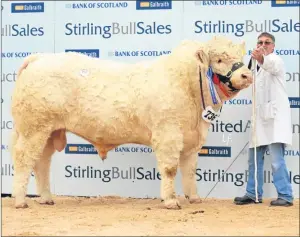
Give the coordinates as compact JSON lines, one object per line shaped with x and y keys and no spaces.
{"x":245,"y":200}
{"x":281,"y":202}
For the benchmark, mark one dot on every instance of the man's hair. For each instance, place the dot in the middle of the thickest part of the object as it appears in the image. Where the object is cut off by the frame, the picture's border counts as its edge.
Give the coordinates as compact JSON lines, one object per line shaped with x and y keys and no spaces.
{"x":266,"y":34}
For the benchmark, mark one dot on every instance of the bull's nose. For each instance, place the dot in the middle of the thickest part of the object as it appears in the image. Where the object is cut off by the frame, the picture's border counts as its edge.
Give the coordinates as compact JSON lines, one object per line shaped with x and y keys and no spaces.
{"x":247,"y":79}
{"x":247,"y":76}
{"x":244,"y":76}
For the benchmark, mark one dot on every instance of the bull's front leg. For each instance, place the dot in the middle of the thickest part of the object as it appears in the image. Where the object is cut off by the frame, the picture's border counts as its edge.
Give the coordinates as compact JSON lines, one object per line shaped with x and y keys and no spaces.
{"x":188,"y":166}
{"x":168,"y":169}
{"x":167,"y":143}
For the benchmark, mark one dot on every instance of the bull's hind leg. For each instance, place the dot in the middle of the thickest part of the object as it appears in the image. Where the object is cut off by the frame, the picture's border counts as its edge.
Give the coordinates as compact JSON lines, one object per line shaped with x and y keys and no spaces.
{"x":167,"y":143}
{"x":25,"y":153}
{"x":188,"y":166}
{"x":42,"y":174}
{"x":13,"y":142}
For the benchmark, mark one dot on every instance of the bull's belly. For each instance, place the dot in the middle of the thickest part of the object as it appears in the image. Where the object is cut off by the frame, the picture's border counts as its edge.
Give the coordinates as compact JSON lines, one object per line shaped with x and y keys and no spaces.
{"x":106,"y":137}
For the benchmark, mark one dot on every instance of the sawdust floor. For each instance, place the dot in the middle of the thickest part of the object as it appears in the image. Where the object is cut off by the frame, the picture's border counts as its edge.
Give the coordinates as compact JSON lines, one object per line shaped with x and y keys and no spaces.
{"x":98,"y":216}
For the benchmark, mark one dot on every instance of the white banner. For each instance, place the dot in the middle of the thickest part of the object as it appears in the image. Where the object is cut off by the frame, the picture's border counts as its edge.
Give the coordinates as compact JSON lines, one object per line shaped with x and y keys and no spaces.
{"x":132,"y":31}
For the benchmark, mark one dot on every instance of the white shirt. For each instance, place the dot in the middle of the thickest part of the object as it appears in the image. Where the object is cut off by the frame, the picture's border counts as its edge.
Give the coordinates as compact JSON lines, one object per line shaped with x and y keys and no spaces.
{"x":273,"y":112}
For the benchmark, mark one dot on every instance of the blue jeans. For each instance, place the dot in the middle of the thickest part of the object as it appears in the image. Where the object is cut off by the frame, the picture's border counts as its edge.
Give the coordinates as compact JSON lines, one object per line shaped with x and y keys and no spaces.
{"x":279,"y":172}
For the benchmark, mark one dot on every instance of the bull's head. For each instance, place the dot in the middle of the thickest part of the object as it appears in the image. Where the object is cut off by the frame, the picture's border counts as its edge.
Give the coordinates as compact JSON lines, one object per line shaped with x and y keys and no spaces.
{"x":225,"y":59}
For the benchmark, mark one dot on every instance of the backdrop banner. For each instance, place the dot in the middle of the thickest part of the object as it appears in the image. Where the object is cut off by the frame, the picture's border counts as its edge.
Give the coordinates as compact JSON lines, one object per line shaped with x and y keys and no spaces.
{"x":133,"y":31}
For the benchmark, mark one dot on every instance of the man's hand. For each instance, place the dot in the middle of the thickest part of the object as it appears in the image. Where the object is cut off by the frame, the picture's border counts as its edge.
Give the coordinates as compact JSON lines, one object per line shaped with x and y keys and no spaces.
{"x":258,"y":54}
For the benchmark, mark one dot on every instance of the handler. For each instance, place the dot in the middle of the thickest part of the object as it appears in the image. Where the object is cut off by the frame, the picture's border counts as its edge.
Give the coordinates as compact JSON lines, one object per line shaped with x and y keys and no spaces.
{"x":273,"y":125}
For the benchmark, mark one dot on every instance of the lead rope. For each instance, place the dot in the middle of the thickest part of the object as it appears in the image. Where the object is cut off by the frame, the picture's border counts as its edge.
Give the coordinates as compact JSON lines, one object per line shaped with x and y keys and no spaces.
{"x":254,"y":123}
{"x":226,"y":171}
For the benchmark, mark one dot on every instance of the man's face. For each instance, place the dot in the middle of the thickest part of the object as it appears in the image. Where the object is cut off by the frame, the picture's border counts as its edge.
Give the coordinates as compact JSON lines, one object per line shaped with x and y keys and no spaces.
{"x":266,"y":43}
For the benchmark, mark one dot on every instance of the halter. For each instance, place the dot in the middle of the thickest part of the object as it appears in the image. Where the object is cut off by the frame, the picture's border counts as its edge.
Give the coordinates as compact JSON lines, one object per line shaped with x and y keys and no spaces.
{"x":224,"y":79}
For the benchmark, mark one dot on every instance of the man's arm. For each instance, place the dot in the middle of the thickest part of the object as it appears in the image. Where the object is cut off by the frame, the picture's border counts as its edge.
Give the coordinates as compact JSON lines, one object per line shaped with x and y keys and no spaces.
{"x":272,"y":64}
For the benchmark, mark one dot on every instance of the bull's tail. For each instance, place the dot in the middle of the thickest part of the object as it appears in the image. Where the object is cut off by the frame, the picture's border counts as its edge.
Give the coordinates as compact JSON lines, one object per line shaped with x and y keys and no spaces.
{"x":13,"y":140}
{"x":27,"y":60}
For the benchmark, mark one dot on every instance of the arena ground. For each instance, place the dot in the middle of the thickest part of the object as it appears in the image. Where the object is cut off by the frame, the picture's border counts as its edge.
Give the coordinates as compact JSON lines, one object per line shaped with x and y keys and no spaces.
{"x":98,"y":216}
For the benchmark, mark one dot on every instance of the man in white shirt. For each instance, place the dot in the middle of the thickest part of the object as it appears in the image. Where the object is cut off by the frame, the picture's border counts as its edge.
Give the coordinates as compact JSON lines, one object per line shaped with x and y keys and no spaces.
{"x":273,"y":125}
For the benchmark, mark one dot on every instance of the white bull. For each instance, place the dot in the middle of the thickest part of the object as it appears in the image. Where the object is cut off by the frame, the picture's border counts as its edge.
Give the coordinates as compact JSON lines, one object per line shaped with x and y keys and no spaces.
{"x":156,"y":103}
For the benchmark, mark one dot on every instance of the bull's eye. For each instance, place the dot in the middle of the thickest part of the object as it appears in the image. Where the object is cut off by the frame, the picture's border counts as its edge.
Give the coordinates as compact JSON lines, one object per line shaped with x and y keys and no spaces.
{"x":220,"y":60}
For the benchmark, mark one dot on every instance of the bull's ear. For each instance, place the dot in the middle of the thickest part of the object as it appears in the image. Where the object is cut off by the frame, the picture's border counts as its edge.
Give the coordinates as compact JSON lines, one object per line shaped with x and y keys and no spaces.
{"x":243,"y":48}
{"x":202,"y":56}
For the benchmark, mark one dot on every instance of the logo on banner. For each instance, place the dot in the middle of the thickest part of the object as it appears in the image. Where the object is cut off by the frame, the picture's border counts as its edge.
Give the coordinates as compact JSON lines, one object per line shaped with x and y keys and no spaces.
{"x":240,"y":28}
{"x":226,"y":2}
{"x":153,"y":5}
{"x":115,"y":28}
{"x":8,"y":77}
{"x":80,"y":149}
{"x":215,"y":151}
{"x":138,"y":53}
{"x":91,"y":5}
{"x":90,"y":149}
{"x":287,"y":152}
{"x":6,"y":125}
{"x":4,"y":147}
{"x":291,"y":52}
{"x":15,"y":54}
{"x":22,"y":30}
{"x":296,"y":128}
{"x":94,"y":53}
{"x":112,"y":173}
{"x":283,"y":52}
{"x":294,"y":102}
{"x":285,"y":3}
{"x":238,"y":179}
{"x":238,"y":102}
{"x":292,"y":76}
{"x":27,"y":7}
{"x":240,"y":127}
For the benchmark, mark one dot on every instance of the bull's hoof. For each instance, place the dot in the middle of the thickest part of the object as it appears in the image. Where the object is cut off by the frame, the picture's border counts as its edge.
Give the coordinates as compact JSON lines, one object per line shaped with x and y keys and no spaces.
{"x":21,"y":205}
{"x":172,"y":204}
{"x":45,"y":202}
{"x":195,"y":199}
